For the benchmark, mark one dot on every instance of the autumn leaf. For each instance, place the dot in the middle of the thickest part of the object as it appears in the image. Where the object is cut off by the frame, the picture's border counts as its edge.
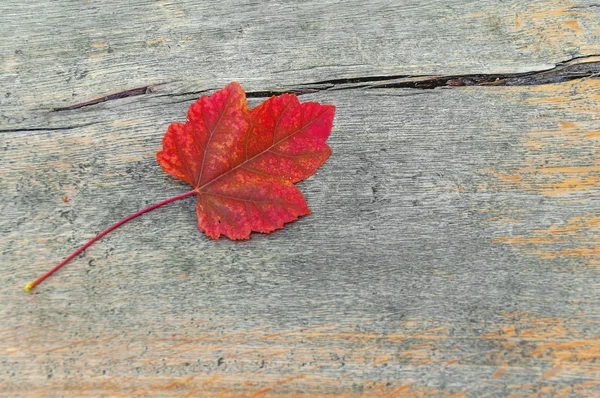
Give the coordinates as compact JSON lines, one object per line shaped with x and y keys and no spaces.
{"x":242,"y":163}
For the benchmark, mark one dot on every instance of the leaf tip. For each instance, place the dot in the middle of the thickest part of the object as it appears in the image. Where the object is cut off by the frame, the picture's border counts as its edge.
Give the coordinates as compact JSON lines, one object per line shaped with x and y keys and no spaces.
{"x":28,"y":287}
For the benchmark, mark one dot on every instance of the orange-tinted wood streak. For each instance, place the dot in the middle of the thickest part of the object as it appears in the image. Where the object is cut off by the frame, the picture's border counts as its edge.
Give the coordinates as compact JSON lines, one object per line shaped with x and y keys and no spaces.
{"x":399,"y":390}
{"x":555,"y":161}
{"x":269,"y":389}
{"x":562,"y":163}
{"x":557,"y":23}
{"x":560,"y":349}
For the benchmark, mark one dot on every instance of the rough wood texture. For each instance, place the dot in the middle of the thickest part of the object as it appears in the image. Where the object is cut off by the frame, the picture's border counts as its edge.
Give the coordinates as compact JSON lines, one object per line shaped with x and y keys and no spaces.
{"x":453,"y":246}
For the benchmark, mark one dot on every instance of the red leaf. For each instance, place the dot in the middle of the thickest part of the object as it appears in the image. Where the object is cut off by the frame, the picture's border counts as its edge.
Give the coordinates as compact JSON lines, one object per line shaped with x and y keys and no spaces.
{"x":243,"y":163}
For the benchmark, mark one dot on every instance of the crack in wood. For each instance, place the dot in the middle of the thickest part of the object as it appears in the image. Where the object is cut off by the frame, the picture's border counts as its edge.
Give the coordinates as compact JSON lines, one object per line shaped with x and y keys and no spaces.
{"x":59,"y":128}
{"x":572,"y":69}
{"x":122,"y":94}
{"x":560,"y":73}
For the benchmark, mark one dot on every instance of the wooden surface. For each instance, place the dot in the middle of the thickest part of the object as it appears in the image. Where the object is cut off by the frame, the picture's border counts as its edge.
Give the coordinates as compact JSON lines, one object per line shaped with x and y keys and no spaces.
{"x":453,"y":247}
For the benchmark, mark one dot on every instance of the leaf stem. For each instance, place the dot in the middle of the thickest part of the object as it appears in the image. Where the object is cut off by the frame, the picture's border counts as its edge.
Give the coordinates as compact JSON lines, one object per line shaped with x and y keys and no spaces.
{"x":33,"y":284}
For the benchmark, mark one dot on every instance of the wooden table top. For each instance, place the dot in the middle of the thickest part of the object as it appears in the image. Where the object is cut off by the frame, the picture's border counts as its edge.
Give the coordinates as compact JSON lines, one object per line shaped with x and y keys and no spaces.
{"x":453,"y":243}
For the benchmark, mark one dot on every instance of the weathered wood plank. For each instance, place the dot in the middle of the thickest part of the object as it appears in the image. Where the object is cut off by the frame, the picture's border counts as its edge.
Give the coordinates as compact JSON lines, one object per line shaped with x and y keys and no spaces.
{"x":452,"y":248}
{"x":57,"y":53}
{"x":453,"y":245}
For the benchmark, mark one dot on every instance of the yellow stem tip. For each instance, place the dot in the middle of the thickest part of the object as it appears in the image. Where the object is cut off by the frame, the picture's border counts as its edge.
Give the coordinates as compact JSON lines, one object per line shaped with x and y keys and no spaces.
{"x":28,"y":287}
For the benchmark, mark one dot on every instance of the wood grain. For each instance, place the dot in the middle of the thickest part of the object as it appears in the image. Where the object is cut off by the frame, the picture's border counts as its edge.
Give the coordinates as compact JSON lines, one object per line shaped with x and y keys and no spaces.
{"x":453,"y":246}
{"x":57,"y":53}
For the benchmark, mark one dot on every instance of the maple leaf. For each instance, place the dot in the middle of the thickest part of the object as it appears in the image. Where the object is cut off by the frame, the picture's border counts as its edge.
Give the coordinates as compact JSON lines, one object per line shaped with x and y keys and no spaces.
{"x":243,"y":163}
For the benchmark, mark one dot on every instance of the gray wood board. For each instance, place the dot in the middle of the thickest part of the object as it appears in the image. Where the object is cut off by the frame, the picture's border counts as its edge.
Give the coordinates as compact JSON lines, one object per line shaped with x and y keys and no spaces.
{"x":452,"y":247}
{"x":56,"y":53}
{"x":423,"y":261}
